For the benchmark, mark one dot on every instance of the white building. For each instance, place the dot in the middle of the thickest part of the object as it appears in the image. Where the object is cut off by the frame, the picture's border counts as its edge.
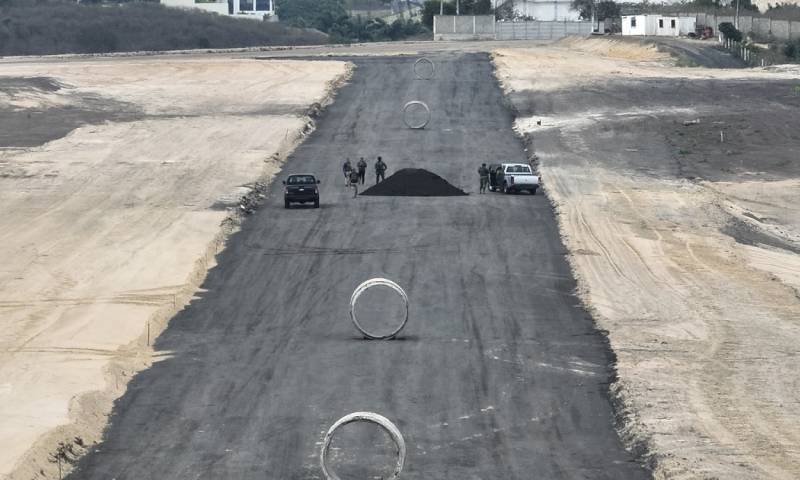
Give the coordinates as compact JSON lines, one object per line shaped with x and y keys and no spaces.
{"x":236,"y":8}
{"x":547,"y":10}
{"x":658,"y":25}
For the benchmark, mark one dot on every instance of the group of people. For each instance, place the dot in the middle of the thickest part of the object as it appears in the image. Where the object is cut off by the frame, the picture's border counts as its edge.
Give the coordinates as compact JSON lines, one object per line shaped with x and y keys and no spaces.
{"x":486,"y":174}
{"x":354,"y":176}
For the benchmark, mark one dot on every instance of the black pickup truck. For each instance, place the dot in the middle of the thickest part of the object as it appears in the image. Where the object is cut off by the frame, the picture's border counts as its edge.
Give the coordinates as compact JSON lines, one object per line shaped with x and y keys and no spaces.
{"x":301,"y":188}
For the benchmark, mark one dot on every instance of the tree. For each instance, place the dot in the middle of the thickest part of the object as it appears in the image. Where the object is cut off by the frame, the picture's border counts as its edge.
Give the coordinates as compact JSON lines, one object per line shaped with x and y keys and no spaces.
{"x":465,"y":7}
{"x":604,"y":9}
{"x":431,"y":8}
{"x":730,"y":31}
{"x":319,"y":14}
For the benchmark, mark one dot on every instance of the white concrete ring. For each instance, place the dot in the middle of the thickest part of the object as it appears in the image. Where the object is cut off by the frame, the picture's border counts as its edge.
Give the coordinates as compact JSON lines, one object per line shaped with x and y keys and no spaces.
{"x":417,"y":126}
{"x":375,"y":282}
{"x":382,"y":422}
{"x":428,"y":61}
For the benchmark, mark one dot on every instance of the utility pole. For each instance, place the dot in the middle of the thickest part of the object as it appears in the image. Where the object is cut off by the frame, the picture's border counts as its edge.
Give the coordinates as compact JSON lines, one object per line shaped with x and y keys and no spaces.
{"x":441,"y":7}
{"x":458,"y":11}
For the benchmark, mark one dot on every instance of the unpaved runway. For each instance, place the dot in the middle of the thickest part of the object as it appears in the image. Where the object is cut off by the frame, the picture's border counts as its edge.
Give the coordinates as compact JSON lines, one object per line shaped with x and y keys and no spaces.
{"x":499,"y":374}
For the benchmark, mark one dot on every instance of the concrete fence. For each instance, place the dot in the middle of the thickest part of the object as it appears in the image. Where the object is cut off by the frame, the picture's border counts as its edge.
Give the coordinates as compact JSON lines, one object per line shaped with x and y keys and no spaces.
{"x":463,"y":27}
{"x":535,"y":30}
{"x":762,"y":27}
{"x":484,"y":27}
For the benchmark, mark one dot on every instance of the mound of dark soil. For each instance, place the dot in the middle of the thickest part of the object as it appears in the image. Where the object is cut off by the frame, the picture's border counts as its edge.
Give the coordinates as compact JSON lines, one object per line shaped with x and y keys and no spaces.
{"x":414,"y":182}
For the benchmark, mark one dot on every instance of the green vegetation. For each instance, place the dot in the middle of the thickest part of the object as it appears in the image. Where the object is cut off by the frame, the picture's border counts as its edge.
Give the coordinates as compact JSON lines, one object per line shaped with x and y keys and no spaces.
{"x":730,"y":32}
{"x":466,"y":7}
{"x":46,"y":27}
{"x":792,"y":50}
{"x":718,"y":7}
{"x":330,"y":16}
{"x":604,"y":9}
{"x":784,"y":11}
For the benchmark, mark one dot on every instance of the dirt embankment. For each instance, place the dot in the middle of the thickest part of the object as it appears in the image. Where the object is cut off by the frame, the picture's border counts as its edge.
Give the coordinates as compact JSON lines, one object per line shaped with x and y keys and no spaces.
{"x":676,"y":190}
{"x":109,"y":226}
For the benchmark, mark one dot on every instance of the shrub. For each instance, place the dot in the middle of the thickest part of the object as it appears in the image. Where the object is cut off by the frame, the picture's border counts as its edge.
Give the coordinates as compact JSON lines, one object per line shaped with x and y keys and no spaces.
{"x":96,"y":39}
{"x":50,"y":27}
{"x":730,"y":31}
{"x":792,"y":49}
{"x":330,"y":17}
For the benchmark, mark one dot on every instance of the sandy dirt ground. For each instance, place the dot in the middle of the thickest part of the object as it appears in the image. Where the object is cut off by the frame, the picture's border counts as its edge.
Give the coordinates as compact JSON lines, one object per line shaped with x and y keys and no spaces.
{"x":685,"y":242}
{"x":108,"y":228}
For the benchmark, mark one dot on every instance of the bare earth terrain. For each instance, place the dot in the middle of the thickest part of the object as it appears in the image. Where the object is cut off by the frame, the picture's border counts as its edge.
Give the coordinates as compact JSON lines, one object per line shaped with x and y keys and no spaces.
{"x":676,"y":191}
{"x":115,"y":178}
{"x":676,"y":194}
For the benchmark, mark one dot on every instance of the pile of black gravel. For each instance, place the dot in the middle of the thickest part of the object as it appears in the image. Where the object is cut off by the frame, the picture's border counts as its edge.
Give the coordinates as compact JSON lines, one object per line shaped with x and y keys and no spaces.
{"x":414,"y":182}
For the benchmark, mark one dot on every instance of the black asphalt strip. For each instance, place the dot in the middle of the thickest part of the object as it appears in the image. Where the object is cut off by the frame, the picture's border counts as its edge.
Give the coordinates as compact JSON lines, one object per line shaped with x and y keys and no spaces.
{"x":499,"y":374}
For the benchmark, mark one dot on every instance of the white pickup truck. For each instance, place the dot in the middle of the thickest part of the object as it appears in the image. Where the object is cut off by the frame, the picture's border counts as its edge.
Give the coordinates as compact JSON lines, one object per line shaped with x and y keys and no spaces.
{"x":512,"y":177}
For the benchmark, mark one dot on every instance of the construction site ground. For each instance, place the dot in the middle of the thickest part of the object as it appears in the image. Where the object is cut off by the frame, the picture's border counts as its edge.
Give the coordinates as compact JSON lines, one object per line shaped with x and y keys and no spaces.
{"x":115,"y":177}
{"x":676,"y":195}
{"x":669,"y":210}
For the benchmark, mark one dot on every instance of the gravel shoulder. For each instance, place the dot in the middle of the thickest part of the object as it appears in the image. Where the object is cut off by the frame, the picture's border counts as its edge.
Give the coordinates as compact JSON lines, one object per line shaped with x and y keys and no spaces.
{"x":684,"y":244}
{"x":114,"y":207}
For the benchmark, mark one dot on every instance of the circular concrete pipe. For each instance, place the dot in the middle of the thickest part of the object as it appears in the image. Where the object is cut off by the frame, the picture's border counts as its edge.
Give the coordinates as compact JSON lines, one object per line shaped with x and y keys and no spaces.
{"x":382,"y":422}
{"x":417,"y":69}
{"x":420,"y":125}
{"x":378,"y":282}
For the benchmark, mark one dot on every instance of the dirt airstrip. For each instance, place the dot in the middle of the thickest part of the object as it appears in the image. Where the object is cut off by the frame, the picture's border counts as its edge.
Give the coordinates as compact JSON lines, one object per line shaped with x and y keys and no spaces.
{"x":115,"y":177}
{"x":676,"y":192}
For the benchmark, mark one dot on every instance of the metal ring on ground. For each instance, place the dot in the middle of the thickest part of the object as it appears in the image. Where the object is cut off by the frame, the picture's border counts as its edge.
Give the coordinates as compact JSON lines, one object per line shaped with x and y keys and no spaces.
{"x":375,"y":282}
{"x":417,"y":126}
{"x":382,"y":422}
{"x":424,"y":60}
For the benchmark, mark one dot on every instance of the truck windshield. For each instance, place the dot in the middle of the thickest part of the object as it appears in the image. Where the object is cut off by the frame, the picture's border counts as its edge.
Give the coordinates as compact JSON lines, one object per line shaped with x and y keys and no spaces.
{"x":301,"y":180}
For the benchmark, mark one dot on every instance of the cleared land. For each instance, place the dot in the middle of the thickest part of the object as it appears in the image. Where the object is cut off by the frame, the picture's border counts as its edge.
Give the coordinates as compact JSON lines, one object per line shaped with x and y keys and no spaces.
{"x":685,"y":251}
{"x":499,"y":372}
{"x":685,"y":242}
{"x":115,"y":177}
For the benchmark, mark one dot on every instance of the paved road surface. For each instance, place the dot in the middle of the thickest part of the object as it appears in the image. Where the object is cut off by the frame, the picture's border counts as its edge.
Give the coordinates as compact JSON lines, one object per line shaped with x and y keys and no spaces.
{"x":703,"y":53}
{"x":498,"y":375}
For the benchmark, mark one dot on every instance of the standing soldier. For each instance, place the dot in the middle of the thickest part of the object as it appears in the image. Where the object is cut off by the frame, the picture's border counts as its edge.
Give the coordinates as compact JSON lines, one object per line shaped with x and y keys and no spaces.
{"x":362,"y":170}
{"x":380,"y":170}
{"x":483,"y":173}
{"x":354,"y":175}
{"x":346,"y":169}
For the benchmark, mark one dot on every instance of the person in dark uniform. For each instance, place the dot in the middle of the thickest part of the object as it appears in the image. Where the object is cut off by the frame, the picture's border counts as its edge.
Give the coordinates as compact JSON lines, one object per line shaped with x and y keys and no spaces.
{"x":362,"y":170}
{"x":354,"y":182}
{"x":499,"y":178}
{"x":380,"y":170}
{"x":483,"y":173}
{"x":346,"y":169}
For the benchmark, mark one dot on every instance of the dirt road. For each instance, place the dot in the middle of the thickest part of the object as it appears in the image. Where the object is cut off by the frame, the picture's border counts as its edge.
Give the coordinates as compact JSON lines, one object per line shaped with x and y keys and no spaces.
{"x":676,"y":192}
{"x":499,"y":373}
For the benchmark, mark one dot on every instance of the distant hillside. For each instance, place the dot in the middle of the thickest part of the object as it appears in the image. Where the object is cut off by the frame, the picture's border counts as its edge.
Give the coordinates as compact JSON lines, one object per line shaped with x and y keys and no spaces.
{"x":52,"y":27}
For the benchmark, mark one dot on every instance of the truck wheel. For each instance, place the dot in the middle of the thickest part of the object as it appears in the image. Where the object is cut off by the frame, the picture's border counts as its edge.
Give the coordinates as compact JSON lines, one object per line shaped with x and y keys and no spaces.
{"x":286,"y":204}
{"x":533,"y":192}
{"x":316,"y":203}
